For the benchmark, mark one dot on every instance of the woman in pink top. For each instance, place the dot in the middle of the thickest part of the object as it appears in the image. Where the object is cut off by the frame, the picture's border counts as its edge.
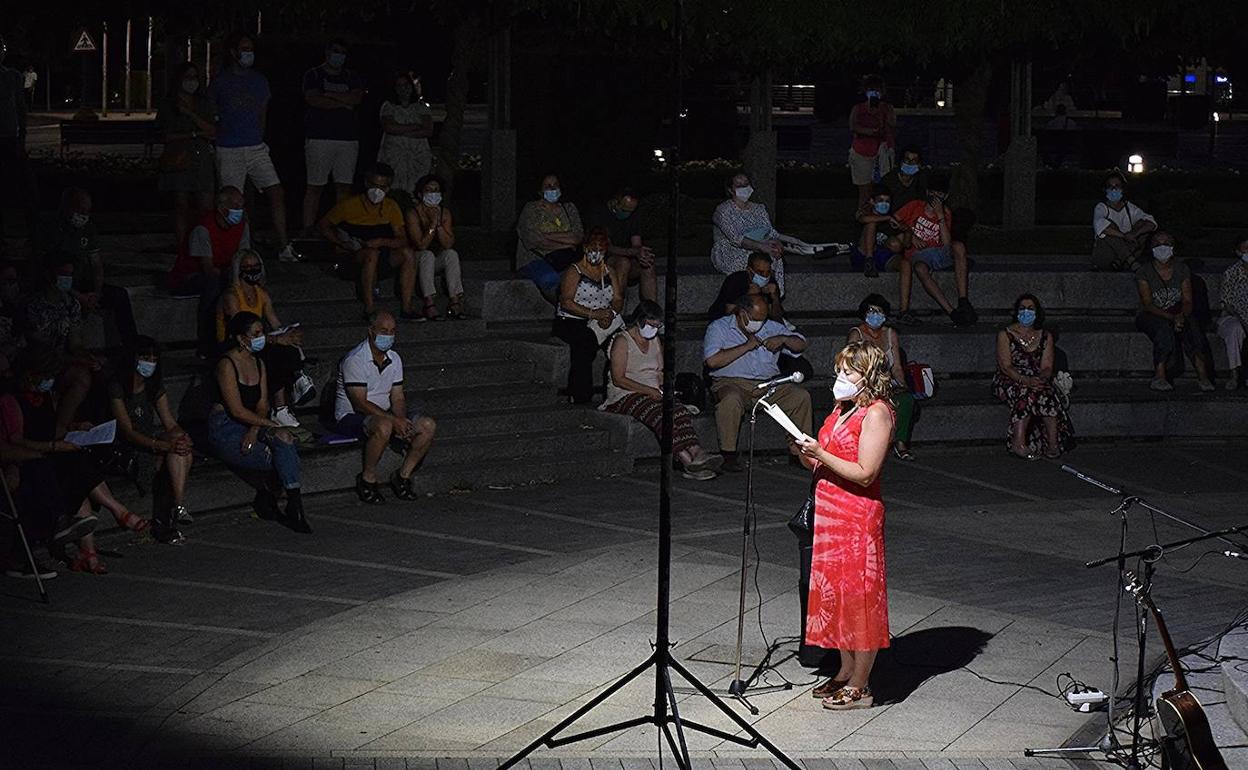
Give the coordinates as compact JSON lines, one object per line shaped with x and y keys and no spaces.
{"x":873,"y":126}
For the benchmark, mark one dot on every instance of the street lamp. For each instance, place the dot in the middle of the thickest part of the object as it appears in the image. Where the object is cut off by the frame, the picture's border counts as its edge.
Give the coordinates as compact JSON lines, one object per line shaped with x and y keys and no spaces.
{"x":1135,"y":164}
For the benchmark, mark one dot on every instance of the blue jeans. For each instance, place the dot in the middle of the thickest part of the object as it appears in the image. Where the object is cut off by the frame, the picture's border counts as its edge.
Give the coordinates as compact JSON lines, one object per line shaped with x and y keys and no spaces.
{"x":269,"y":453}
{"x":935,"y":257}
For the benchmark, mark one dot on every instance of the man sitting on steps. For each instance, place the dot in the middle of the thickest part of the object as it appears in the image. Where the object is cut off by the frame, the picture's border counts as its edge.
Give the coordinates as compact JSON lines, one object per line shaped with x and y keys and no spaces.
{"x":741,"y":351}
{"x":930,"y":244}
{"x":370,"y":405}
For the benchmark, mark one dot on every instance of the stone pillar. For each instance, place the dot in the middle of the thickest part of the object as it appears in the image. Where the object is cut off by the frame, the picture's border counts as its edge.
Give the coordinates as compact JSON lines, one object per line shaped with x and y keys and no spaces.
{"x":759,"y":156}
{"x":498,"y":159}
{"x":1018,"y":204}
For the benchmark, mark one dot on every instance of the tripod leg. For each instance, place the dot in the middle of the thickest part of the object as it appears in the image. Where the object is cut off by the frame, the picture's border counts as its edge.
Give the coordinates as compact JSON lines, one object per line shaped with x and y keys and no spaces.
{"x":30,"y":559}
{"x":674,"y":718}
{"x":733,"y":715}
{"x":546,"y":737}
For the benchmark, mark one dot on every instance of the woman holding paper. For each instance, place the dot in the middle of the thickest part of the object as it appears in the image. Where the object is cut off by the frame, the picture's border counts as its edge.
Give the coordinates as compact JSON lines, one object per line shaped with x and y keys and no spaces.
{"x":591,"y":297}
{"x":848,"y":601}
{"x":282,"y":357}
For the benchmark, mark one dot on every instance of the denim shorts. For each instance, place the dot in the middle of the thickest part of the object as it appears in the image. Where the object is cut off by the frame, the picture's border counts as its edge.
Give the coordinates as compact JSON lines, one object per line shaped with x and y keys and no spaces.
{"x":935,"y":257}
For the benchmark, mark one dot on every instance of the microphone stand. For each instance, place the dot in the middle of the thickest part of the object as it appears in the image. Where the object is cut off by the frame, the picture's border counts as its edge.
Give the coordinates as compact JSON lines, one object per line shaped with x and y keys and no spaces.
{"x":739,"y":686}
{"x":1149,"y":556}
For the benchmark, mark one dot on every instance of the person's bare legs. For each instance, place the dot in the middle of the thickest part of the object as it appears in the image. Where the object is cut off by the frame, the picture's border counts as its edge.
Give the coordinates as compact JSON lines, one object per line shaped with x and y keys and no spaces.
{"x":931,"y":286}
{"x":905,"y":278}
{"x":421,"y":440}
{"x":1053,"y":448}
{"x":277,"y":206}
{"x":367,"y":259}
{"x":863,"y":660}
{"x":178,"y":467}
{"x":961,"y":269}
{"x":405,"y":260}
{"x":311,"y":204}
{"x":846,"y":671}
{"x":377,"y":432}
{"x":1018,"y":442}
{"x":76,"y":385}
{"x":864,"y":194}
{"x":341,"y":192}
{"x":102,"y":496}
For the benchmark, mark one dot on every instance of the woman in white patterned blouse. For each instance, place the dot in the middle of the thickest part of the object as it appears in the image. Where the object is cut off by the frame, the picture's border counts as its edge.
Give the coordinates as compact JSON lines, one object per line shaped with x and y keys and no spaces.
{"x":743,"y":227}
{"x":1234,"y":322}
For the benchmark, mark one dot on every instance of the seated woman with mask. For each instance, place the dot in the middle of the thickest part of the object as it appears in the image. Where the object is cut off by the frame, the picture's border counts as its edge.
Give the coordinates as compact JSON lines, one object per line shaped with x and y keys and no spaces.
{"x":874,"y":310}
{"x":591,"y":297}
{"x":635,"y":388}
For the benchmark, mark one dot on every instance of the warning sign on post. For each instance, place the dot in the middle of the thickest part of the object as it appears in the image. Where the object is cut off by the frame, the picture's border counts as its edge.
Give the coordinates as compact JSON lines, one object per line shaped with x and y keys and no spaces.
{"x":83,"y":42}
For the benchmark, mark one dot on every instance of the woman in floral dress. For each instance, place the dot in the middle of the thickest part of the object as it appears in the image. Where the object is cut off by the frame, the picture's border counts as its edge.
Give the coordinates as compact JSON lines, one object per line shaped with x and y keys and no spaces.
{"x":1024,"y":381}
{"x":848,"y":601}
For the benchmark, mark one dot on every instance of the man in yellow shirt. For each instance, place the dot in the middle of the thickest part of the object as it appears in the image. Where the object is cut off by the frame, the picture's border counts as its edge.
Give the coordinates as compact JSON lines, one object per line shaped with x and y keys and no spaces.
{"x":370,"y":226}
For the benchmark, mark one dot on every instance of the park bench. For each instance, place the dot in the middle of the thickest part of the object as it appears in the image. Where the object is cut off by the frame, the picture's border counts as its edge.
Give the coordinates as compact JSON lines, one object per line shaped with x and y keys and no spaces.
{"x":142,"y":132}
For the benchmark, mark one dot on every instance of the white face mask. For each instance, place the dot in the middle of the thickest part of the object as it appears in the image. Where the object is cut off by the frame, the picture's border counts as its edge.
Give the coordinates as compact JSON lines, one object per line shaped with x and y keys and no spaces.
{"x":1244,"y":256}
{"x":753,"y":326}
{"x":375,"y":195}
{"x":649,"y":332}
{"x":432,"y":198}
{"x":743,"y":193}
{"x":845,"y":390}
{"x":594,"y":257}
{"x":1163,"y":253}
{"x":79,"y":220}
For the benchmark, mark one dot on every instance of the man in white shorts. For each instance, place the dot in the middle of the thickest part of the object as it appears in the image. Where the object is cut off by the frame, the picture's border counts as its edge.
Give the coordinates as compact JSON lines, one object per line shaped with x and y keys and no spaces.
{"x":240,"y":96}
{"x":331,"y":94}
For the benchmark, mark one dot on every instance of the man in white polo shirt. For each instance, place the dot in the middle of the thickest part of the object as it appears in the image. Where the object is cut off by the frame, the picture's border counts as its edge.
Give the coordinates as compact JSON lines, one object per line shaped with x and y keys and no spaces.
{"x":370,"y":406}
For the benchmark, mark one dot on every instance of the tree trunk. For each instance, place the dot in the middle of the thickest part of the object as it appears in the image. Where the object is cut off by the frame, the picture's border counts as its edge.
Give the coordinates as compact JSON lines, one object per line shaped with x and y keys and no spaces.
{"x":759,"y":155}
{"x":969,"y":108}
{"x":466,"y":56}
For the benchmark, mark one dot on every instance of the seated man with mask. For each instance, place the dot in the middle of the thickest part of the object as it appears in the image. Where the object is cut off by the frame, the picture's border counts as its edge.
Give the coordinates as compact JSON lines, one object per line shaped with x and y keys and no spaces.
{"x":627,"y":255}
{"x":741,"y":351}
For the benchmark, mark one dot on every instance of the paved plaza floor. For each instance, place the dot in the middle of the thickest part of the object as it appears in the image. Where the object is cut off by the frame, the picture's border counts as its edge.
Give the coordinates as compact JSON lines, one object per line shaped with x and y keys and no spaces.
{"x":462,"y":626}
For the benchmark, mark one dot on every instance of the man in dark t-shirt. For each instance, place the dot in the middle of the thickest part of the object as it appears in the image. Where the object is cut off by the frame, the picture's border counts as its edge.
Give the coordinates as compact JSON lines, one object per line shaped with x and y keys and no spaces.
{"x":756,"y":278}
{"x":627,"y":255}
{"x":907,"y":182}
{"x":331,"y":94}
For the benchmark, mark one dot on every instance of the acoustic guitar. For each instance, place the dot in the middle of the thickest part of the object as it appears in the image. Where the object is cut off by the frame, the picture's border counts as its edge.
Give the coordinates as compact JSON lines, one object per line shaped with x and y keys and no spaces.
{"x":1188,"y":744}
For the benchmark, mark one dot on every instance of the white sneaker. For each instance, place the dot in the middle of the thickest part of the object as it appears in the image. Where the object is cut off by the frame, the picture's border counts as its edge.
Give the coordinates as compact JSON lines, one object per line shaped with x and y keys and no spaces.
{"x":284,"y":418}
{"x":1160,"y":384}
{"x":1206,"y":386}
{"x":288,"y":254}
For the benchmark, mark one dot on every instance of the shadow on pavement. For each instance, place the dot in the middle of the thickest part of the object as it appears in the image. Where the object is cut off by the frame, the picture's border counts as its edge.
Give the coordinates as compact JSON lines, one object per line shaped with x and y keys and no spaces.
{"x":918,"y":656}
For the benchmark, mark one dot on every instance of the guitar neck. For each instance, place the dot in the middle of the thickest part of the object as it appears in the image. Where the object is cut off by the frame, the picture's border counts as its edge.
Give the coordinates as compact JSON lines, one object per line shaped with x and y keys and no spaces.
{"x":1180,"y":681}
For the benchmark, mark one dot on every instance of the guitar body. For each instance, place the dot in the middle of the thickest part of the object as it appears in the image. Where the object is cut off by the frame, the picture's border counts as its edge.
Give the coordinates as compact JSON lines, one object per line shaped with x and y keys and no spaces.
{"x":1189,"y":741}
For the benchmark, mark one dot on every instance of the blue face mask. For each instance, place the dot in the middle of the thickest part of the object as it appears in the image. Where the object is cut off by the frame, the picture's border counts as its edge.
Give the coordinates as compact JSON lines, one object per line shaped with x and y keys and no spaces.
{"x":873,"y":94}
{"x":1026,"y":316}
{"x":383,"y":342}
{"x":622,"y":214}
{"x":760,"y":280}
{"x":1113,"y":194}
{"x":246,"y":58}
{"x":145,"y":368}
{"x":45,"y":386}
{"x":336,"y":60}
{"x":882,"y":207}
{"x":257,"y":343}
{"x":875,"y":320}
{"x":65,"y":282}
{"x":233,"y":216}
{"x":909,"y":169}
{"x":550,"y":196}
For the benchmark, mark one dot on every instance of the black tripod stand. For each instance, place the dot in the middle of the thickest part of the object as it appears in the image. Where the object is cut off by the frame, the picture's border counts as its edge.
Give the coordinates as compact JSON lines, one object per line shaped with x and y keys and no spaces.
{"x":1148,"y":556}
{"x":666,"y":714}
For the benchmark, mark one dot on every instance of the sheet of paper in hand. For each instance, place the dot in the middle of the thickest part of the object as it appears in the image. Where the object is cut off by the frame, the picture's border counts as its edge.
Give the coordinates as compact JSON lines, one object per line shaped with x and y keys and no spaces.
{"x":104,"y":433}
{"x":782,"y":419}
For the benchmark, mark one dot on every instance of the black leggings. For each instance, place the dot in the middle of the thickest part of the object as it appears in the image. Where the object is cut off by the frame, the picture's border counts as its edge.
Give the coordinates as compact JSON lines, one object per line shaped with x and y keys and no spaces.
{"x":283,"y":364}
{"x":584,"y":349}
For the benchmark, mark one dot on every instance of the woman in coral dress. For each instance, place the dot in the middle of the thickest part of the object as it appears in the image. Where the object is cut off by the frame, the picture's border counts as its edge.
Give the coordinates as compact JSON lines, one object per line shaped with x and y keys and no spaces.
{"x":848,"y":601}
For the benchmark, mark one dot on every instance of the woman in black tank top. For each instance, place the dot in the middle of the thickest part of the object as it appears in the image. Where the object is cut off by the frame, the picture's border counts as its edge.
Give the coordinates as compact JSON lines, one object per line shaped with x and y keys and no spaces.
{"x":239,"y":429}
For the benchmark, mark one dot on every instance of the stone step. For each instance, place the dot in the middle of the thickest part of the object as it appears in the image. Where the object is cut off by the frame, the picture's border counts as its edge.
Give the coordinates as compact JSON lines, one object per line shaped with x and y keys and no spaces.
{"x":965,"y":411}
{"x":838,"y":292}
{"x":213,"y":486}
{"x":1233,"y":650}
{"x":1091,"y":345}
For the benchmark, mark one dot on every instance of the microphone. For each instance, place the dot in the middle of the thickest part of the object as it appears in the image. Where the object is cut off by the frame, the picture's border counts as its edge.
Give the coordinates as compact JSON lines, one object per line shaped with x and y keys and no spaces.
{"x":1236,"y":555}
{"x":794,"y":378}
{"x":1090,"y":480}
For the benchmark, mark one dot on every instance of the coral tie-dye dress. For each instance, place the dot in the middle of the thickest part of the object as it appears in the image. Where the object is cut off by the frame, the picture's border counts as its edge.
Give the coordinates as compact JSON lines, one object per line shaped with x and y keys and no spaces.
{"x":848,"y":601}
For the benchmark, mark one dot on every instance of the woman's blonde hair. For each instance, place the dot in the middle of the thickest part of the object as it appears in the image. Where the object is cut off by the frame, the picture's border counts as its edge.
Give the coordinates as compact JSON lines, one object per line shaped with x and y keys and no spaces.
{"x":867,"y":360}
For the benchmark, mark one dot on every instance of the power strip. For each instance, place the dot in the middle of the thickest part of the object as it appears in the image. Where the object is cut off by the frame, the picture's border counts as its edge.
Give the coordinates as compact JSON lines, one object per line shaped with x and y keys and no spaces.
{"x":1086,"y":700}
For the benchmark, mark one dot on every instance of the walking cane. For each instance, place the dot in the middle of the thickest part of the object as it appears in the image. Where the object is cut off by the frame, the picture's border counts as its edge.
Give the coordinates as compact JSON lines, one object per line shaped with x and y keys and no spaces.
{"x":21,"y":535}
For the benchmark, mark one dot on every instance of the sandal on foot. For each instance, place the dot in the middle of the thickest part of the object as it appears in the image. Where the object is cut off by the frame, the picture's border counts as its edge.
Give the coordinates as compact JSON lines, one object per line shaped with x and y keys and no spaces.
{"x":455,"y":310}
{"x":368,"y":492}
{"x":88,"y":561}
{"x":132,"y":521}
{"x":402,"y":487}
{"x":848,"y":698}
{"x":431,"y":312}
{"x":1017,"y":456}
{"x":828,"y":688}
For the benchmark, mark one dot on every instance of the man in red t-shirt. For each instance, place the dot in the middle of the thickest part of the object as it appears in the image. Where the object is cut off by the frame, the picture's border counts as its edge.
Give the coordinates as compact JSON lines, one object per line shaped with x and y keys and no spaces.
{"x":927,"y":245}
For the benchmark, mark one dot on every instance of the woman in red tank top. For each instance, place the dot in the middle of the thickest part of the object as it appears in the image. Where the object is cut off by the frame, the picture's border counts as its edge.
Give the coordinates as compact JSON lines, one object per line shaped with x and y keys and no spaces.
{"x":848,"y":600}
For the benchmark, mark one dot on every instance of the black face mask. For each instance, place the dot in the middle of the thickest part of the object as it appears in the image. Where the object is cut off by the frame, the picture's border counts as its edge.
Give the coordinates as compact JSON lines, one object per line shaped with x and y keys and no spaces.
{"x":251,"y":276}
